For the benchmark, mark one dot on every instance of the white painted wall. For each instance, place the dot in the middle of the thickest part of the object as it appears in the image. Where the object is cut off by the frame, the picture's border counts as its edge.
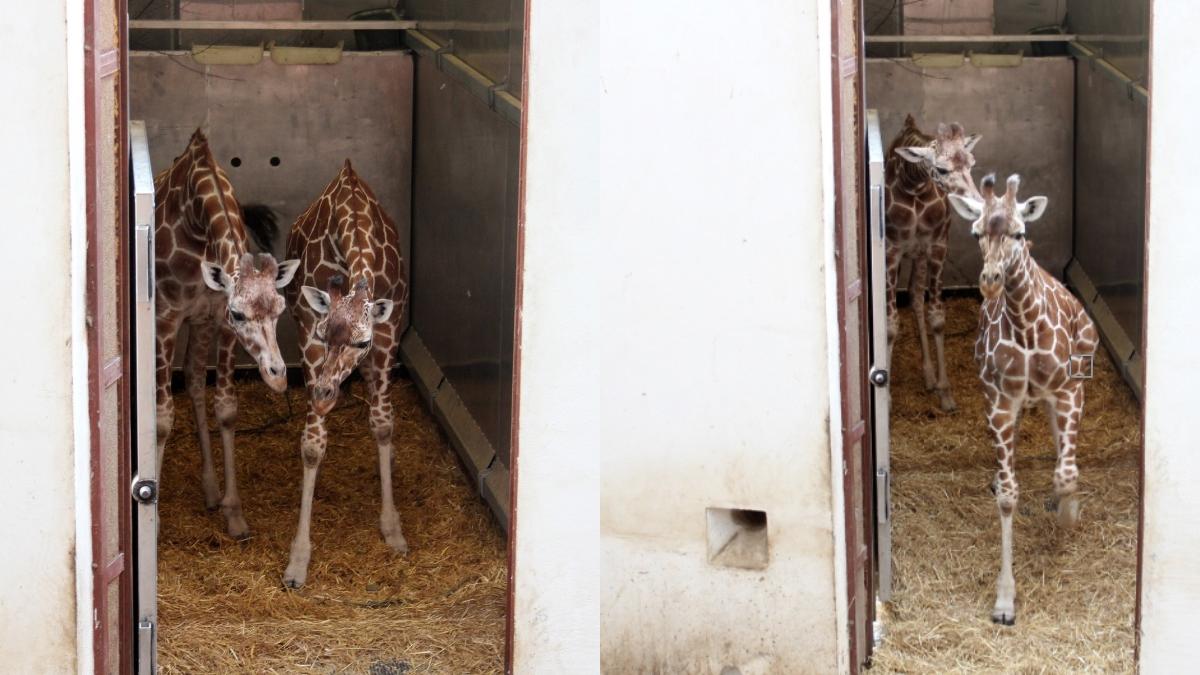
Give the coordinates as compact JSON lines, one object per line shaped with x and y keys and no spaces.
{"x":676,"y":325}
{"x":1171,"y":544}
{"x":39,"y":477}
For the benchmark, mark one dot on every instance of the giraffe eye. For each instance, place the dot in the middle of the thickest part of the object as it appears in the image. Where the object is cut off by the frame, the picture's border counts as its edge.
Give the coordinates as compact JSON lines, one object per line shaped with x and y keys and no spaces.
{"x":361,"y":345}
{"x":237,"y":316}
{"x":942,"y":171}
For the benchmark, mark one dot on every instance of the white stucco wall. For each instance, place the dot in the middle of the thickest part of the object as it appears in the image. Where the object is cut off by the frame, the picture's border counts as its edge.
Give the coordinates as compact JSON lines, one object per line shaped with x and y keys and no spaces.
{"x":1171,"y":544}
{"x":39,"y":632}
{"x":676,"y":324}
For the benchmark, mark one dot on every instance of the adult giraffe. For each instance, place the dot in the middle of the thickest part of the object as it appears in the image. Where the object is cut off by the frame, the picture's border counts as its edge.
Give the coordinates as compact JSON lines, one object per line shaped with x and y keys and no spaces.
{"x":346,"y":233}
{"x":1035,"y":344}
{"x":205,"y":277}
{"x":920,"y":172}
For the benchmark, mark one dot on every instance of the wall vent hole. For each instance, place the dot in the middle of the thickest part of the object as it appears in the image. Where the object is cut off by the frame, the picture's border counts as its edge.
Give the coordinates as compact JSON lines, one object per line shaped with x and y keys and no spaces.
{"x":236,"y":161}
{"x":737,"y":538}
{"x":274,"y":161}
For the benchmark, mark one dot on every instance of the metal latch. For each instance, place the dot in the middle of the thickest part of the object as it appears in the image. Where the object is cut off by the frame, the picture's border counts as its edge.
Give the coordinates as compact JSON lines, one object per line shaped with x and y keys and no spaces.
{"x":145,"y":491}
{"x":1079,"y":366}
{"x":879,"y":377}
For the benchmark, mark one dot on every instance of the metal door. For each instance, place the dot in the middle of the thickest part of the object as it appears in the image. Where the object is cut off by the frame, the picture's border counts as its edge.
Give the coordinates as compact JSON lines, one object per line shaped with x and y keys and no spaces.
{"x":107,"y":308}
{"x":881,"y":395}
{"x":849,"y":232}
{"x":145,"y":481}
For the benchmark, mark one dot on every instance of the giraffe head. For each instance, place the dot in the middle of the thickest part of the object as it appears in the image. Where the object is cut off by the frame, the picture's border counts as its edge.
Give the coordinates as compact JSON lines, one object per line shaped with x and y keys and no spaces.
{"x":345,"y":326}
{"x":253,"y":305}
{"x":946,"y":159}
{"x":998,"y":223}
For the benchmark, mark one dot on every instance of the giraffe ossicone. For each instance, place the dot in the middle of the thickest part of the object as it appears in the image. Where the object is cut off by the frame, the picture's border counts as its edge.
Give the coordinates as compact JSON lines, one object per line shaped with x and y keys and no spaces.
{"x":1031,"y":329}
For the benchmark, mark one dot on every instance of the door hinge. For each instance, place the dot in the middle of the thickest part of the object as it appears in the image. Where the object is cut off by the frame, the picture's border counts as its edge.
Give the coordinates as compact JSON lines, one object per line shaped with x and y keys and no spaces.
{"x":147,"y":649}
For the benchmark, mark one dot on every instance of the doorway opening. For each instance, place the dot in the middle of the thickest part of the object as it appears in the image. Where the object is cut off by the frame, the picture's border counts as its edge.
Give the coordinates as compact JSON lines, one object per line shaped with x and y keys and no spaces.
{"x":429,"y":118}
{"x":1057,"y":93}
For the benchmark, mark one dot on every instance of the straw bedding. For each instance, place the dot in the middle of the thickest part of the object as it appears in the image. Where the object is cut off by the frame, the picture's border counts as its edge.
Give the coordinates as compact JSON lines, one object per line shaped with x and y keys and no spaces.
{"x":1075,"y":590}
{"x":365,"y":609}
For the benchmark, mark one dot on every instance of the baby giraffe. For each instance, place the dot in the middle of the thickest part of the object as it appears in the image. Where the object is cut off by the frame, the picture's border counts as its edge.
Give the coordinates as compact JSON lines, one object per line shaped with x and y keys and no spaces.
{"x":920,"y":171}
{"x":1035,"y":344}
{"x":345,"y":232}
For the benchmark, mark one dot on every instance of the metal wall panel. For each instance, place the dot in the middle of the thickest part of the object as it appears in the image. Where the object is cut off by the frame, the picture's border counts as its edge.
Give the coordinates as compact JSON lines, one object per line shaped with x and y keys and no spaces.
{"x":1026,"y":116}
{"x":464,"y":235}
{"x":311,"y":118}
{"x":483,"y":33}
{"x":1116,"y":28}
{"x":1110,"y":196}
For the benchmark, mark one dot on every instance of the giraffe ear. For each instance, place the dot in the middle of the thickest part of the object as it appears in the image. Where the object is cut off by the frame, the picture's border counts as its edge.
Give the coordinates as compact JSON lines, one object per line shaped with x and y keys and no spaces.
{"x":381,"y":310}
{"x":969,"y":145}
{"x":215,"y":277}
{"x":916,"y":154}
{"x":287,"y":270}
{"x":316,"y":298}
{"x":1033,"y":208}
{"x":970,"y":209}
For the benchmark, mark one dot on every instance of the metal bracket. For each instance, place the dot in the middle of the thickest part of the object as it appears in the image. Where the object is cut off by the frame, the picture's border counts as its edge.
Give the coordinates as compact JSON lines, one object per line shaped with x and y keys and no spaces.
{"x":147,"y":647}
{"x":144,"y":491}
{"x":1076,"y":366}
{"x":440,"y":51}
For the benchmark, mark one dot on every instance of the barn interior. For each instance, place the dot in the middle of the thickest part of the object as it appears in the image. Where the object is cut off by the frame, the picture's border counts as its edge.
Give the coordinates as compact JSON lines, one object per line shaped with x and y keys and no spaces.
{"x":1058,"y":90}
{"x":429,"y":118}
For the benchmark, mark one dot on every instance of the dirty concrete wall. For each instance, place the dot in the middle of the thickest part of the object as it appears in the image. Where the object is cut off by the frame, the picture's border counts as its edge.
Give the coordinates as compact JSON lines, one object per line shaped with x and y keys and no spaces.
{"x":38,"y":471}
{"x":1026,"y":117}
{"x":675,"y":325}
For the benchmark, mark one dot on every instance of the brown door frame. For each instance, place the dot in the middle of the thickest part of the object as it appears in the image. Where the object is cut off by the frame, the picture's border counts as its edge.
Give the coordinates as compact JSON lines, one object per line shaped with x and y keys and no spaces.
{"x":100,"y":67}
{"x":518,"y":289}
{"x":847,"y":71}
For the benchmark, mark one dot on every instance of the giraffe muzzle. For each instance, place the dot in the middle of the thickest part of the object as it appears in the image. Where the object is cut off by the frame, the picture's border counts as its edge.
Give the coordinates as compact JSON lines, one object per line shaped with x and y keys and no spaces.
{"x":324,"y":398}
{"x":991,"y":282}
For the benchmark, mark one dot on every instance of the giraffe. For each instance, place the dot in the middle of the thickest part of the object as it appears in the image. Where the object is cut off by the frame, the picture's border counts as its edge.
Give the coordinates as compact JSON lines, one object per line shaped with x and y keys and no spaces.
{"x":920,"y":171}
{"x":343,"y":237}
{"x":1035,"y":344}
{"x":205,"y":277}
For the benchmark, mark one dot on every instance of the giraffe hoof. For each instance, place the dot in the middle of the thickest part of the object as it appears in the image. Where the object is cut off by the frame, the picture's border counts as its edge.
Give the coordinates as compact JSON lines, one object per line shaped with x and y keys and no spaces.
{"x":1004,"y":618}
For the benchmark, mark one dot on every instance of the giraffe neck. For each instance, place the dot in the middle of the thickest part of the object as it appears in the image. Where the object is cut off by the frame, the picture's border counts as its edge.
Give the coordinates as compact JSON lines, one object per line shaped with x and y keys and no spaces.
{"x":357,"y":246}
{"x":1023,"y":294}
{"x":213,"y":211}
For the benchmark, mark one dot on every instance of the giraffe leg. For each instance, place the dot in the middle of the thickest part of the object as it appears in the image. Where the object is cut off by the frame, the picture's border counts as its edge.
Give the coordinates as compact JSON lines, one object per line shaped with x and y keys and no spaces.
{"x":164,"y":404}
{"x":1064,"y":415}
{"x":893,"y":317}
{"x":917,"y":284}
{"x":312,"y":450}
{"x":225,"y":405}
{"x":1003,"y":418}
{"x":937,"y":323}
{"x":377,"y":367}
{"x":195,"y":372}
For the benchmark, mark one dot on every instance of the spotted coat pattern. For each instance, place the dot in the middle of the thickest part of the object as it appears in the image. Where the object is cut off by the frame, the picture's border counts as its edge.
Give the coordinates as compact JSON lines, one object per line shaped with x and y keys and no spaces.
{"x":1035,"y":345}
{"x":349,"y":247}
{"x":198,"y":223}
{"x":920,"y":171}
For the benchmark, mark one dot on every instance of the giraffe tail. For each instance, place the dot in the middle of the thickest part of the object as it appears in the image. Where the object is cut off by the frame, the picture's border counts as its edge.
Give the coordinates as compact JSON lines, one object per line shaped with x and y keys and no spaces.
{"x":262,"y":224}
